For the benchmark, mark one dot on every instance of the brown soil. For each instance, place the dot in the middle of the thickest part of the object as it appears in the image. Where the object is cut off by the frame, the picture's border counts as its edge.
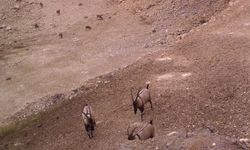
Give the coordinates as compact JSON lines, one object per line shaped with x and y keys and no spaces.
{"x":36,"y":61}
{"x":201,"y":82}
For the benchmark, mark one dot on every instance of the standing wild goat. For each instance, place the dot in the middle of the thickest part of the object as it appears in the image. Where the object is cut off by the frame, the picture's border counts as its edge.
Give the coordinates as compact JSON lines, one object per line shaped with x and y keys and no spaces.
{"x":142,"y":97}
{"x":140,"y":130}
{"x":88,"y":119}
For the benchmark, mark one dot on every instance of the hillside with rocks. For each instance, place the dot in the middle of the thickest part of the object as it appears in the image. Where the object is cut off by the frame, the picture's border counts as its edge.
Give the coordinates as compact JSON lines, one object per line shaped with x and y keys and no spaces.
{"x":195,"y":54}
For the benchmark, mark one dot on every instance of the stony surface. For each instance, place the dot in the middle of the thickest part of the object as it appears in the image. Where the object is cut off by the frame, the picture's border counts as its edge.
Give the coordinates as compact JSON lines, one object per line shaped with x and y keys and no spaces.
{"x":200,"y":93}
{"x":45,"y":53}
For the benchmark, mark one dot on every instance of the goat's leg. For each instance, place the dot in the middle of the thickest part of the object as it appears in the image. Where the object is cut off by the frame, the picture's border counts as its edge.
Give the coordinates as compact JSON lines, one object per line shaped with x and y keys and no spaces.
{"x":88,"y":130}
{"x":89,"y":134}
{"x":86,"y":127}
{"x":150,"y":102}
{"x":142,"y":112}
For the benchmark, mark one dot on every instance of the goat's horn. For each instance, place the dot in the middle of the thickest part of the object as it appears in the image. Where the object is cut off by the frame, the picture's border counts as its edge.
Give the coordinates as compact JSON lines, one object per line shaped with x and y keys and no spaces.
{"x":84,"y":114}
{"x":132,"y":132}
{"x":139,"y":90}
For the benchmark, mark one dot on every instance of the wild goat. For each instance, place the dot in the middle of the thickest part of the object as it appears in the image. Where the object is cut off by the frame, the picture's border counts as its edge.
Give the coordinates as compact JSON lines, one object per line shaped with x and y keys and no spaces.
{"x":88,"y":119}
{"x":140,"y":130}
{"x":142,"y":97}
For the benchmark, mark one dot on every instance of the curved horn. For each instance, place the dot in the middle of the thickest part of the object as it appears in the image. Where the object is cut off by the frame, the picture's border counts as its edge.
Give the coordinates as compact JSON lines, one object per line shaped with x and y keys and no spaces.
{"x":84,"y":114}
{"x":139,"y":90}
{"x":132,"y":132}
{"x":128,"y":130}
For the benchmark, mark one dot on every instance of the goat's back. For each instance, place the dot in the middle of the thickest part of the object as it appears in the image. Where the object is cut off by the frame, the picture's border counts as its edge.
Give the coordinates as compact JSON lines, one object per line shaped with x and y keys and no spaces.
{"x":135,"y":127}
{"x":148,"y":132}
{"x":144,"y":130}
{"x":145,"y":95}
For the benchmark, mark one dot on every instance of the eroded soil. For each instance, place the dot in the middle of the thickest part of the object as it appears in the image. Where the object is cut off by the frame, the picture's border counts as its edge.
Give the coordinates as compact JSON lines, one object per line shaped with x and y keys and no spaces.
{"x":98,"y":36}
{"x":200,"y":82}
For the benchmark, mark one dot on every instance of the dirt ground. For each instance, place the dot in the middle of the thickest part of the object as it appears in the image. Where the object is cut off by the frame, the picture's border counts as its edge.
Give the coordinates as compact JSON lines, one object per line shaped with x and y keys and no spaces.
{"x":36,"y":62}
{"x":202,"y":81}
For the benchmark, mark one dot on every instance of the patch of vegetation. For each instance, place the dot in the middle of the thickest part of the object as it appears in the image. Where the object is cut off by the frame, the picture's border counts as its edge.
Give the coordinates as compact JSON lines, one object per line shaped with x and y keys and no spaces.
{"x":17,"y":126}
{"x":30,"y":121}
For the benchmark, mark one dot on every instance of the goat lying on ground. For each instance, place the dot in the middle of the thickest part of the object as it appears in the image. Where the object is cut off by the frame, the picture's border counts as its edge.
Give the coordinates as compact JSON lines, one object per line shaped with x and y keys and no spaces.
{"x":142,"y":97}
{"x":88,"y":119}
{"x":140,"y":130}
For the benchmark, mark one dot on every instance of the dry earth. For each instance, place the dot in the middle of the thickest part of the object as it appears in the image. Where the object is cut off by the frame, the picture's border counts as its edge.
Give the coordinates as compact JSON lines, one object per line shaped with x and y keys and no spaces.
{"x":36,"y":62}
{"x":202,"y":81}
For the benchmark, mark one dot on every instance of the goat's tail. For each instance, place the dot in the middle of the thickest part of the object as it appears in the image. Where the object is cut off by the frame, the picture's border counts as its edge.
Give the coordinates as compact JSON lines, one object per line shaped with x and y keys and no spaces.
{"x":147,"y":85}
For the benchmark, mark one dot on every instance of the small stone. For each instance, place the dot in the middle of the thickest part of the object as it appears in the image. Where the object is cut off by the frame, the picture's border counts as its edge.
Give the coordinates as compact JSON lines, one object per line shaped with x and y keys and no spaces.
{"x":39,"y":125}
{"x":41,"y":4}
{"x":99,"y":17}
{"x":106,"y":82}
{"x":9,"y":78}
{"x":58,"y":11}
{"x":17,"y":144}
{"x":146,"y":46}
{"x":244,"y":140}
{"x":8,"y":28}
{"x":120,"y":1}
{"x":61,"y":35}
{"x":88,"y":28}
{"x":2,"y":26}
{"x":16,"y":7}
{"x":36,"y":25}
{"x":3,"y":18}
{"x":156,"y":148}
{"x":172,"y":133}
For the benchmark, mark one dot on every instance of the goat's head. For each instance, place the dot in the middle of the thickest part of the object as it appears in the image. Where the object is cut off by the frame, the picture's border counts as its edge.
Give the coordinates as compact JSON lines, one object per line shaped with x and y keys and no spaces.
{"x":131,"y":135}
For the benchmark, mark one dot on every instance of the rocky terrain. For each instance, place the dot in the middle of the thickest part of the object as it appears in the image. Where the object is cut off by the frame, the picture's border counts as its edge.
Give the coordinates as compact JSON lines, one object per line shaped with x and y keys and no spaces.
{"x":51,"y":47}
{"x":198,"y":74}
